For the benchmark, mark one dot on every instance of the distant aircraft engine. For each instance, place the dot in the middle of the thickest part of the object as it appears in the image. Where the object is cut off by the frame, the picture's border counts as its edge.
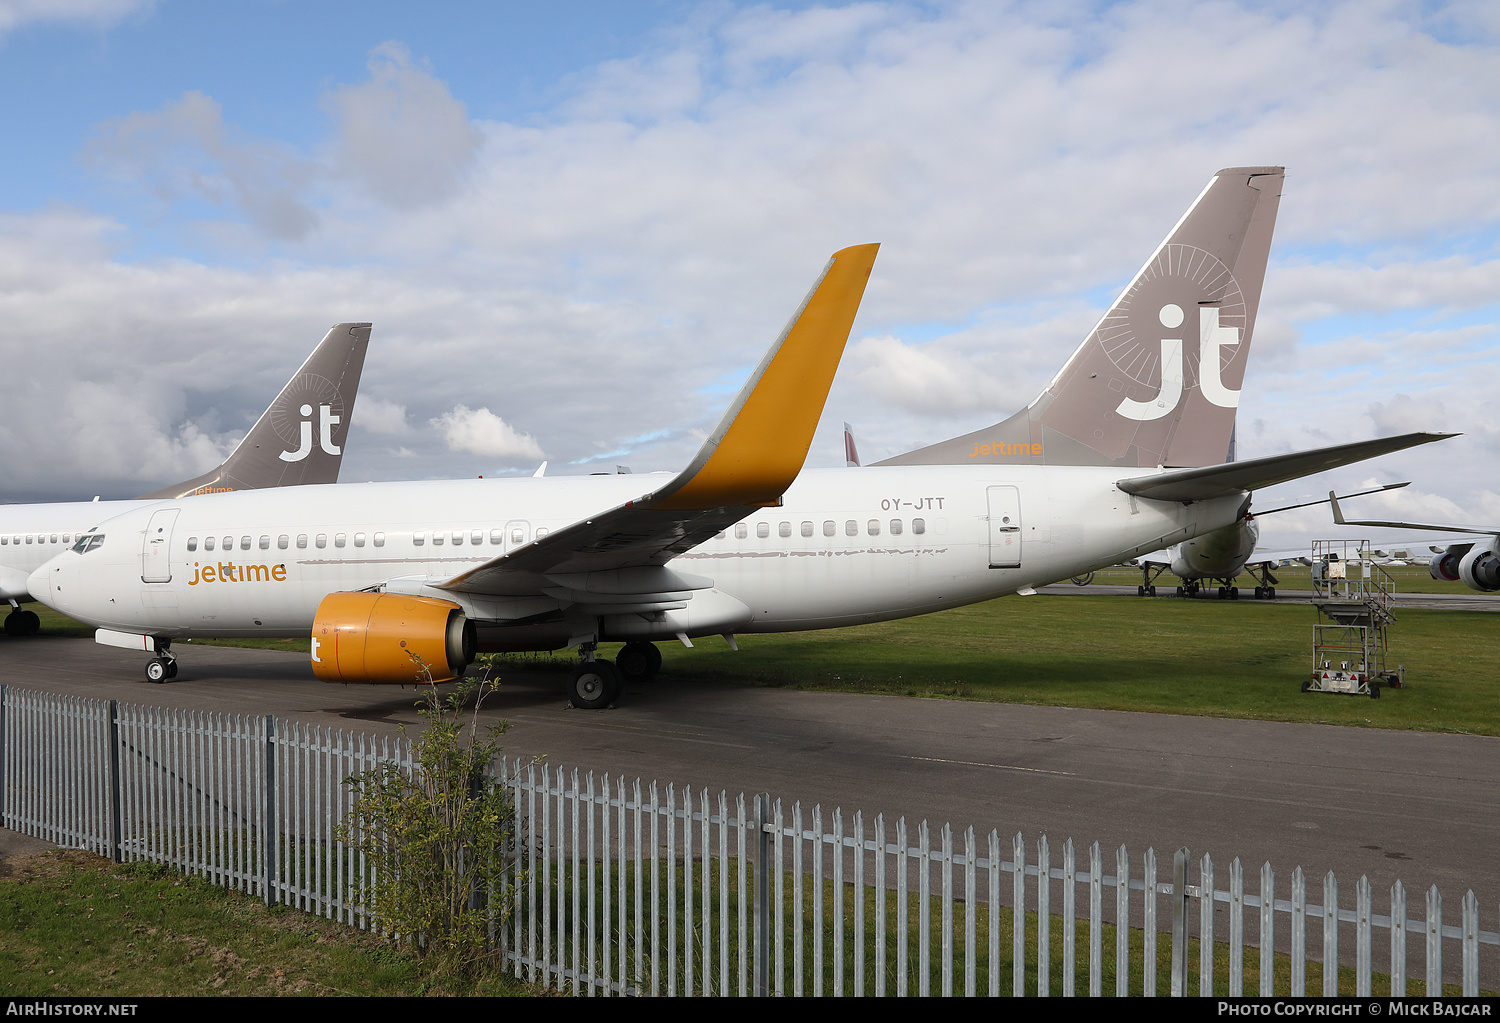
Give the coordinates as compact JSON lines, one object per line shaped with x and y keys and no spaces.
{"x":1445,"y":565}
{"x":390,"y":638}
{"x":1480,"y":569}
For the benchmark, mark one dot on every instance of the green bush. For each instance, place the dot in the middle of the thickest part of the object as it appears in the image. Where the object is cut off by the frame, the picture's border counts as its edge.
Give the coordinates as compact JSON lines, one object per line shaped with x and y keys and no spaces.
{"x":438,"y":837}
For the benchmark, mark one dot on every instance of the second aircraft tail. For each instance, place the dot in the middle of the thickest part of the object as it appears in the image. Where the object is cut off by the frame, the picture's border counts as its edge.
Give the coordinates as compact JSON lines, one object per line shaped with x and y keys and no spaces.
{"x":1157,"y":381}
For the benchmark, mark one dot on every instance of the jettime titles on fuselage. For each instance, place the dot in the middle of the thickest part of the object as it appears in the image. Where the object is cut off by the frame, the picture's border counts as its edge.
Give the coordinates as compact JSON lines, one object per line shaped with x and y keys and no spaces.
{"x":229,"y":572}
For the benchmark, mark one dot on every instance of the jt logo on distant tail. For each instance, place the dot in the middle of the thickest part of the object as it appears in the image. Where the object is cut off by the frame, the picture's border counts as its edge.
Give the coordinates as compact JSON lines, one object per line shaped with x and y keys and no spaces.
{"x":326,"y":421}
{"x":1211,"y":336}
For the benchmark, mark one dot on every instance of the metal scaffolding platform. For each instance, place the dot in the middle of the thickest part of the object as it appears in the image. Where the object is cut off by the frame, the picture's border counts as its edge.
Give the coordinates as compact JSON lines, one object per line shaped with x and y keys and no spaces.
{"x":1353,"y":597}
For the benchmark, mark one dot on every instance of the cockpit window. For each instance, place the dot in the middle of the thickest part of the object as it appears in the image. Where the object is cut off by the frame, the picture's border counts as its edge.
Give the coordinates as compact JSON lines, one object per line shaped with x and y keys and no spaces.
{"x":88,"y":542}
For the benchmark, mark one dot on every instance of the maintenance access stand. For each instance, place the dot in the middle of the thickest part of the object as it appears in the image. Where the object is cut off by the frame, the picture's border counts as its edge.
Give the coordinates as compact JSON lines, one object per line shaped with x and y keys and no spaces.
{"x":1353,"y":597}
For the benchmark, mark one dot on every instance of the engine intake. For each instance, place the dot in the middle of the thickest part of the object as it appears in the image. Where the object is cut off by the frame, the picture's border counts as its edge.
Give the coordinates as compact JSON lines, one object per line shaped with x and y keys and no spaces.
{"x":390,"y":639}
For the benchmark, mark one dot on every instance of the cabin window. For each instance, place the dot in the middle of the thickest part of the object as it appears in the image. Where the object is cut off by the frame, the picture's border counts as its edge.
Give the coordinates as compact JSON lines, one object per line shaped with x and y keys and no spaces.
{"x":518,"y":534}
{"x":476,"y":537}
{"x":542,"y":531}
{"x":895,"y":527}
{"x":4,"y":540}
{"x":208,"y":543}
{"x":321,"y":541}
{"x":851,"y":528}
{"x":283,"y":542}
{"x":245,"y":543}
{"x":54,"y":538}
{"x":379,"y":539}
{"x":359,"y":539}
{"x":419,"y":537}
{"x":762,"y":529}
{"x":873,"y":527}
{"x":339,"y":539}
{"x":497,"y":536}
{"x":301,"y":541}
{"x":830,"y":528}
{"x":807,"y":529}
{"x":67,"y":538}
{"x":458,"y":537}
{"x":919,"y":525}
{"x":720,"y":535}
{"x":265,"y":543}
{"x":28,"y":538}
{"x":437,"y":537}
{"x":784,"y":529}
{"x":229,"y":543}
{"x":740,"y":531}
{"x":192,"y":543}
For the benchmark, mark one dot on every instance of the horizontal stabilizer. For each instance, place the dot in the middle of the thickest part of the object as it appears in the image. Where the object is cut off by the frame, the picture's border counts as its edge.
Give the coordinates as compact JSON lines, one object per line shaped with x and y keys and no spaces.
{"x":1210,"y":481}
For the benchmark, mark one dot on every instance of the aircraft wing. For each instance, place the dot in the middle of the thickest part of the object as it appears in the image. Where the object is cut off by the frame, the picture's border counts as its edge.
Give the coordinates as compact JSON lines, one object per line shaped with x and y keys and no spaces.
{"x":1210,"y":481}
{"x":748,"y":462}
{"x":1338,"y":517}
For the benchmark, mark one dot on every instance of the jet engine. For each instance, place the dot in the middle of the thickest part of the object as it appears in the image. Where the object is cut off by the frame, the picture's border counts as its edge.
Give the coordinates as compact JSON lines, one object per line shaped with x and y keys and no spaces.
{"x":390,"y":638}
{"x":1445,"y":565}
{"x":1480,"y":569}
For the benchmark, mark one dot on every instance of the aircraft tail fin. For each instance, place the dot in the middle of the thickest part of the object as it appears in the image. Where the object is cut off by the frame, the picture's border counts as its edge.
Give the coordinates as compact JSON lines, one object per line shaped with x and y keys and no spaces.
{"x":1157,"y":381}
{"x":851,"y":453}
{"x":300,"y":438}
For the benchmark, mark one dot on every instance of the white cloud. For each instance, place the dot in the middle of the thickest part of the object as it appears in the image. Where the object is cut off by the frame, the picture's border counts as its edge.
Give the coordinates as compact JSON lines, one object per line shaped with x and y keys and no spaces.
{"x":402,"y":135}
{"x":100,"y":13}
{"x":382,"y":416}
{"x":481,"y":432}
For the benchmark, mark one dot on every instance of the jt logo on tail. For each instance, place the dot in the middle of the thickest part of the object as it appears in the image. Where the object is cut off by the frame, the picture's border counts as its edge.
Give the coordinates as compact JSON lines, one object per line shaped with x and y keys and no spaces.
{"x":1211,"y":338}
{"x":326,"y":422}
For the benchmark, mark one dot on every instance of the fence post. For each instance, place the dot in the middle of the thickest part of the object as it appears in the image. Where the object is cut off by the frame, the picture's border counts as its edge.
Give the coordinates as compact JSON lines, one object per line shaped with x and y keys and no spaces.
{"x":1179,"y":923}
{"x":115,"y":852}
{"x":763,"y":895}
{"x":269,"y":824}
{"x":4,"y":701}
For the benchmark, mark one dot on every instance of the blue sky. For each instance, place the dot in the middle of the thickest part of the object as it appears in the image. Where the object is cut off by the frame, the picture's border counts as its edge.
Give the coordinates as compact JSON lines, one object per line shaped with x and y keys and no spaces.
{"x":575,"y":224}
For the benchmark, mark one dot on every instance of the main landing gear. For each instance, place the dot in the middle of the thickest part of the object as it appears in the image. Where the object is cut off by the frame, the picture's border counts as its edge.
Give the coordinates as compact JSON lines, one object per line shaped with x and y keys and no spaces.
{"x":1149,"y":574}
{"x":22,"y":623}
{"x":596,"y":683}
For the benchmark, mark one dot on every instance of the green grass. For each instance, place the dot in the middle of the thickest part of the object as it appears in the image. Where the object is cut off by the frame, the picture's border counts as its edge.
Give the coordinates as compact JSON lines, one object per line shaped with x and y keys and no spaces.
{"x":1411,"y":579}
{"x":72,"y":924}
{"x":1245,"y":660}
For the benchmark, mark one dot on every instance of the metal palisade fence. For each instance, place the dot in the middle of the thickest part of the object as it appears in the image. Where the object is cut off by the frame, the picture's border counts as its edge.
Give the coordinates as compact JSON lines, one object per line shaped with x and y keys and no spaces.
{"x":625,"y":888}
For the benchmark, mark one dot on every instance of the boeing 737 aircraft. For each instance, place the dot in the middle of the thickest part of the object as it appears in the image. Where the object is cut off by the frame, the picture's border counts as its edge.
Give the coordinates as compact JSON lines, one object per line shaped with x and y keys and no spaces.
{"x":1124,"y":453}
{"x":299,"y":439}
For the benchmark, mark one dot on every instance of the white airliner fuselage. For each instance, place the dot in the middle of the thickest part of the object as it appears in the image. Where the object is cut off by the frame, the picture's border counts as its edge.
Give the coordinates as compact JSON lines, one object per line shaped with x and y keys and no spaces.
{"x":843,"y":548}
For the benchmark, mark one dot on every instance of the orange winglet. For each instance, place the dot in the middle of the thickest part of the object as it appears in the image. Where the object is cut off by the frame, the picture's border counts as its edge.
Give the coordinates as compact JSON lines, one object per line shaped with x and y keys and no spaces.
{"x":759,"y":446}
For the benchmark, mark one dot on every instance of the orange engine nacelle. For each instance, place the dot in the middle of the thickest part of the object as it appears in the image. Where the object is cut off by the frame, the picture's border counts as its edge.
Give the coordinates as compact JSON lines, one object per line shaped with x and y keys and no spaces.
{"x":390,"y":638}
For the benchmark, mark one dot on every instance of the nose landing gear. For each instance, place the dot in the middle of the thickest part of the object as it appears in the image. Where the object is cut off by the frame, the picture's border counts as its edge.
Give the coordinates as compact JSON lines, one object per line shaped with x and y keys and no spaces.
{"x":595,"y":683}
{"x":163,"y":666}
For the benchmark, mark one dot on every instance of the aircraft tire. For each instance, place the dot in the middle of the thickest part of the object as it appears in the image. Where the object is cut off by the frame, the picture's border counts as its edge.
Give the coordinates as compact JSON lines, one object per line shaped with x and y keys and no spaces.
{"x":14,"y":624}
{"x":30,"y":623}
{"x":171,"y":669}
{"x":594,"y":685}
{"x":638,"y":661}
{"x":1270,"y":593}
{"x":157,"y":670}
{"x":1180,"y":591}
{"x":1140,"y":591}
{"x":1234,"y":593}
{"x":1150,"y":591}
